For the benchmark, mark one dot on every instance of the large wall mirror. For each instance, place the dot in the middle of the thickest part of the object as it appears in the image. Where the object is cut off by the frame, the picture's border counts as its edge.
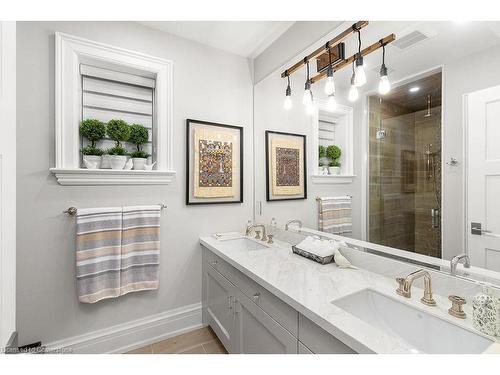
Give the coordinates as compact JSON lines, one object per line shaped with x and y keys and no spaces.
{"x":419,"y":168}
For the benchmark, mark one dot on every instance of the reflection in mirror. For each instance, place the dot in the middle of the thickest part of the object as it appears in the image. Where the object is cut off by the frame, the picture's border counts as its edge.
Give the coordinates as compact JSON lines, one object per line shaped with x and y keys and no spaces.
{"x":419,"y":165}
{"x":404,"y":167}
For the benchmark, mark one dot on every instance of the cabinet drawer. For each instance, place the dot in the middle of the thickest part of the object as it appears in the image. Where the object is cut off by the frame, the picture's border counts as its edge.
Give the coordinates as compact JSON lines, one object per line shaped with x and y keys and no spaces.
{"x":218,"y":264}
{"x":272,"y":305}
{"x":318,"y":340}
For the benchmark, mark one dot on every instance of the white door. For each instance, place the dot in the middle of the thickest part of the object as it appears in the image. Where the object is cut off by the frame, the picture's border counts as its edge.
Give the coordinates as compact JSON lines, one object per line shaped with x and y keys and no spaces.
{"x":7,"y":181}
{"x":483,"y":178}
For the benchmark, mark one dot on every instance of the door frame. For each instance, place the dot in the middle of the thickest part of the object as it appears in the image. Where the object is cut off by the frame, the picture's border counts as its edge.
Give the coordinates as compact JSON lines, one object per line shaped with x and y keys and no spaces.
{"x":7,"y":181}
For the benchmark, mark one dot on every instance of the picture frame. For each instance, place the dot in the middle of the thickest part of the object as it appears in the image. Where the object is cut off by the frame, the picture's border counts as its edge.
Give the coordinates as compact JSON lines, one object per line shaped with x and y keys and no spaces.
{"x":286,"y":166}
{"x":214,"y":163}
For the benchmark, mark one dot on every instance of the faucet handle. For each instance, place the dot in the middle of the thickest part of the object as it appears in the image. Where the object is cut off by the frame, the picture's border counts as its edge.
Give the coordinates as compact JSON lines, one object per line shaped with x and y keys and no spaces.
{"x":456,"y":306}
{"x":401,"y":289}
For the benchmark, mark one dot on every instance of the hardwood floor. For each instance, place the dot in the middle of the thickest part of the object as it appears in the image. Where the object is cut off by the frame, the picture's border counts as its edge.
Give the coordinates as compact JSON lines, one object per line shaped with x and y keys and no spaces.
{"x":199,"y":341}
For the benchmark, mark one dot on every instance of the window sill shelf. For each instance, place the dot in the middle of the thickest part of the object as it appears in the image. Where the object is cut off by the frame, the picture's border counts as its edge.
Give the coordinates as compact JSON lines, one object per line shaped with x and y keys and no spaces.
{"x":332,"y":179}
{"x":97,"y":177}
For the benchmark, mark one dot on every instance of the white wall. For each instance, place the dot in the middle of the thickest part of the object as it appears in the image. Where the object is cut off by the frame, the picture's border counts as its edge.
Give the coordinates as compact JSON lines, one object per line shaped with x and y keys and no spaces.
{"x":270,"y":115}
{"x":209,"y":85}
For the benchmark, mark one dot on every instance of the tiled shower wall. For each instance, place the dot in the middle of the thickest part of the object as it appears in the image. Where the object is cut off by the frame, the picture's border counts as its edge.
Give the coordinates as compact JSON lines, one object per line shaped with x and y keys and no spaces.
{"x":401,"y":190}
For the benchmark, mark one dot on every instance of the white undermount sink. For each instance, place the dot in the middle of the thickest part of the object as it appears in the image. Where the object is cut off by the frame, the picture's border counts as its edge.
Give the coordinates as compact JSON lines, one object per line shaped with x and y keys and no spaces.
{"x":245,"y":243}
{"x":425,"y":332}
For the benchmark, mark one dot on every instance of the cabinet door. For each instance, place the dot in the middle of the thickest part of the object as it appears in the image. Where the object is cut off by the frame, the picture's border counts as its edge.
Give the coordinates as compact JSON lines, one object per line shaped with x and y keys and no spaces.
{"x":219,"y":307}
{"x":258,"y":333}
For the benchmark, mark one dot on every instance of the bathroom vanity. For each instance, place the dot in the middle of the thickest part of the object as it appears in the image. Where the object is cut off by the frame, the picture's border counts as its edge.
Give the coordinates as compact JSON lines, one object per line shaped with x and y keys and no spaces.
{"x":261,"y":298}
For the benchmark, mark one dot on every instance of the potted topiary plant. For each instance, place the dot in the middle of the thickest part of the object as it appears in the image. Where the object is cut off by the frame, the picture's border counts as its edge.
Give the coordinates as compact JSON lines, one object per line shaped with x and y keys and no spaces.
{"x":118,"y":131}
{"x":333,"y":153}
{"x":138,"y":136}
{"x":321,"y":159}
{"x":94,"y":130}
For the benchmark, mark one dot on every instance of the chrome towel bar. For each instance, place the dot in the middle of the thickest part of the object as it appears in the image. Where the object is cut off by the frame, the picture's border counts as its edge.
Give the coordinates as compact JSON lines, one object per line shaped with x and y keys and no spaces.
{"x":73,"y":210}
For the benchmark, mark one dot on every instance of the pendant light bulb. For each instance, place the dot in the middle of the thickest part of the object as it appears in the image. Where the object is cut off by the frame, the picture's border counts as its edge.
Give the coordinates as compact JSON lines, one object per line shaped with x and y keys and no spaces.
{"x":329,"y":84}
{"x":287,"y":104}
{"x":331,"y":104}
{"x":307,"y":99}
{"x":353,"y":91}
{"x":384,"y":85}
{"x":360,"y":76}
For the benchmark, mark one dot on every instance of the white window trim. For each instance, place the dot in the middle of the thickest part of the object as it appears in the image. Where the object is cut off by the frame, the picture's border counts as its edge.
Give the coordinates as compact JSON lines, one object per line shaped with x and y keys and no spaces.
{"x":70,"y":51}
{"x":348,"y":176}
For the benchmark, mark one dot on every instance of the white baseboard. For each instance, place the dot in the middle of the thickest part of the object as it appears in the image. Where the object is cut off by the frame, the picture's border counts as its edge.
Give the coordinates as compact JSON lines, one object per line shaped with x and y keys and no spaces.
{"x":135,"y":334}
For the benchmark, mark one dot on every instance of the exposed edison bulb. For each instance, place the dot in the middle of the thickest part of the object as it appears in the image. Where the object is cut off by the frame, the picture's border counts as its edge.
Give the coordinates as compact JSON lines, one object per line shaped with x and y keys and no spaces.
{"x":331,"y":104}
{"x":287,"y":104}
{"x":360,"y":75}
{"x":353,"y":91}
{"x":384,"y":86}
{"x":307,"y":99}
{"x":329,"y":84}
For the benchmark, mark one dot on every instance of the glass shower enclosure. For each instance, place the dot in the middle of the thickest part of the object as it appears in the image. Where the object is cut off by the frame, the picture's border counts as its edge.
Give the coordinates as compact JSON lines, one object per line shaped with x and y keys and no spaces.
{"x":404,"y":164}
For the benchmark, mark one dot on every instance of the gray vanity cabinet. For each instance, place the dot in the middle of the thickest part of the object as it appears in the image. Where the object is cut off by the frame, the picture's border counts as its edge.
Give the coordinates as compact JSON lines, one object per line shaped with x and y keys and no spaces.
{"x":258,"y":333}
{"x":247,"y":318}
{"x":219,"y":309}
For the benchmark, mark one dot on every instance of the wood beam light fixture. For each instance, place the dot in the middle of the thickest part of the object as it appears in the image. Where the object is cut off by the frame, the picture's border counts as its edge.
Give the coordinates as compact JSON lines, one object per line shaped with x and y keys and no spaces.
{"x":331,"y":58}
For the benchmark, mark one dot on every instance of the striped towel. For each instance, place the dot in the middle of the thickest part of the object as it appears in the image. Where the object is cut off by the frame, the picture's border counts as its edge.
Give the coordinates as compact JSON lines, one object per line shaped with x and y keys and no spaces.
{"x":334,"y":215}
{"x":98,"y":253}
{"x":140,"y":248}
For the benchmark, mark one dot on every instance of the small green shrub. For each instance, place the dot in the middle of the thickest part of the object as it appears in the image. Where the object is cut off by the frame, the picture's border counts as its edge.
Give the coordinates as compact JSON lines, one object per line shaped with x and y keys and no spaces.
{"x":118,"y":131}
{"x":117,"y":150}
{"x":322,"y":152}
{"x":333,"y":152}
{"x":334,"y":163}
{"x":139,"y":154}
{"x":92,"y":129}
{"x":89,"y":150}
{"x":138,"y":136}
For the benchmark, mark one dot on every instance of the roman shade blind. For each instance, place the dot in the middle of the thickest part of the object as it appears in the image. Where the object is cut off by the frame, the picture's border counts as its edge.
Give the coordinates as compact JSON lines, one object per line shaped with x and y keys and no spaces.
{"x":326,"y":131}
{"x":109,"y":94}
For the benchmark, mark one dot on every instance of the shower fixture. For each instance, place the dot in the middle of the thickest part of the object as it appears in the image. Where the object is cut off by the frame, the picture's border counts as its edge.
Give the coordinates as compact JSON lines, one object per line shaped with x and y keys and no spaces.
{"x":428,"y":114}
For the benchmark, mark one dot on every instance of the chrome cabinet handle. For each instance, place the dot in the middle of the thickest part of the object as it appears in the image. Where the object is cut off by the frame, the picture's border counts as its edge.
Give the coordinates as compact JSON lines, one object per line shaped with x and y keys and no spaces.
{"x":256,"y":297}
{"x":214,"y":262}
{"x":235,"y":310}
{"x":229,"y":302}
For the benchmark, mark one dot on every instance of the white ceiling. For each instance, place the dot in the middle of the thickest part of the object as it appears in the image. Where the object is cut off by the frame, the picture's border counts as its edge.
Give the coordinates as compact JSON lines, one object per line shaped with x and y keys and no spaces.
{"x":244,"y":38}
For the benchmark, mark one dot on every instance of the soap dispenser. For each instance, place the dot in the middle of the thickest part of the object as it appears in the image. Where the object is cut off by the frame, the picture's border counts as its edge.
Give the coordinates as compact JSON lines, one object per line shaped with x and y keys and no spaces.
{"x":486,"y":311}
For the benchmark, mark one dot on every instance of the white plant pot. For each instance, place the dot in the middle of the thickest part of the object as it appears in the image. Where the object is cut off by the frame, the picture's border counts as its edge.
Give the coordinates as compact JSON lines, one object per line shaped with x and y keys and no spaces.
{"x":334,"y":171}
{"x":92,"y":161}
{"x":105,"y":163}
{"x":117,"y":161}
{"x":139,"y":163}
{"x":322,"y":170}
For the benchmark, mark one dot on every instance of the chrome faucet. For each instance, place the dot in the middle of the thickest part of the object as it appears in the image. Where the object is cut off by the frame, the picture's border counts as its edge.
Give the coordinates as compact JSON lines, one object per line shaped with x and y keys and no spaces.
{"x":257,"y":233}
{"x":462,"y":258}
{"x":405,"y":284}
{"x":296,"y":221}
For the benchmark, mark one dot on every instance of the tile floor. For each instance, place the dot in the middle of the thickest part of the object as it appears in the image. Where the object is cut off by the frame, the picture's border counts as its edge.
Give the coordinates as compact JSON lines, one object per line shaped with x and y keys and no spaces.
{"x":199,"y":341}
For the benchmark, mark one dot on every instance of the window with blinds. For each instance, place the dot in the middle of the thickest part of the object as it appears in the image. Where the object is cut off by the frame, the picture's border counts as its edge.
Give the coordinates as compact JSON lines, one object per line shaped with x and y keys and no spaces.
{"x":109,"y":94}
{"x":326,"y":130}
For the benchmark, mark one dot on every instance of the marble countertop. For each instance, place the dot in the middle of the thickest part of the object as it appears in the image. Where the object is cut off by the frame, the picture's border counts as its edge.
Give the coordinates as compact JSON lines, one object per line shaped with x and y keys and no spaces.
{"x":310,"y":287}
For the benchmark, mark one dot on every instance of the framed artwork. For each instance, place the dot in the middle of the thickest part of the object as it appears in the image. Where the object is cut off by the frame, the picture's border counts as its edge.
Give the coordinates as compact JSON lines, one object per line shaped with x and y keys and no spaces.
{"x":214,"y":163}
{"x":285,"y":166}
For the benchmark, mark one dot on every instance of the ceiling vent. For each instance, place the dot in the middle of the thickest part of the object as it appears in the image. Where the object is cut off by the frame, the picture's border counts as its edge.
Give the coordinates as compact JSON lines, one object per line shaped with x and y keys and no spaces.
{"x":409,"y":40}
